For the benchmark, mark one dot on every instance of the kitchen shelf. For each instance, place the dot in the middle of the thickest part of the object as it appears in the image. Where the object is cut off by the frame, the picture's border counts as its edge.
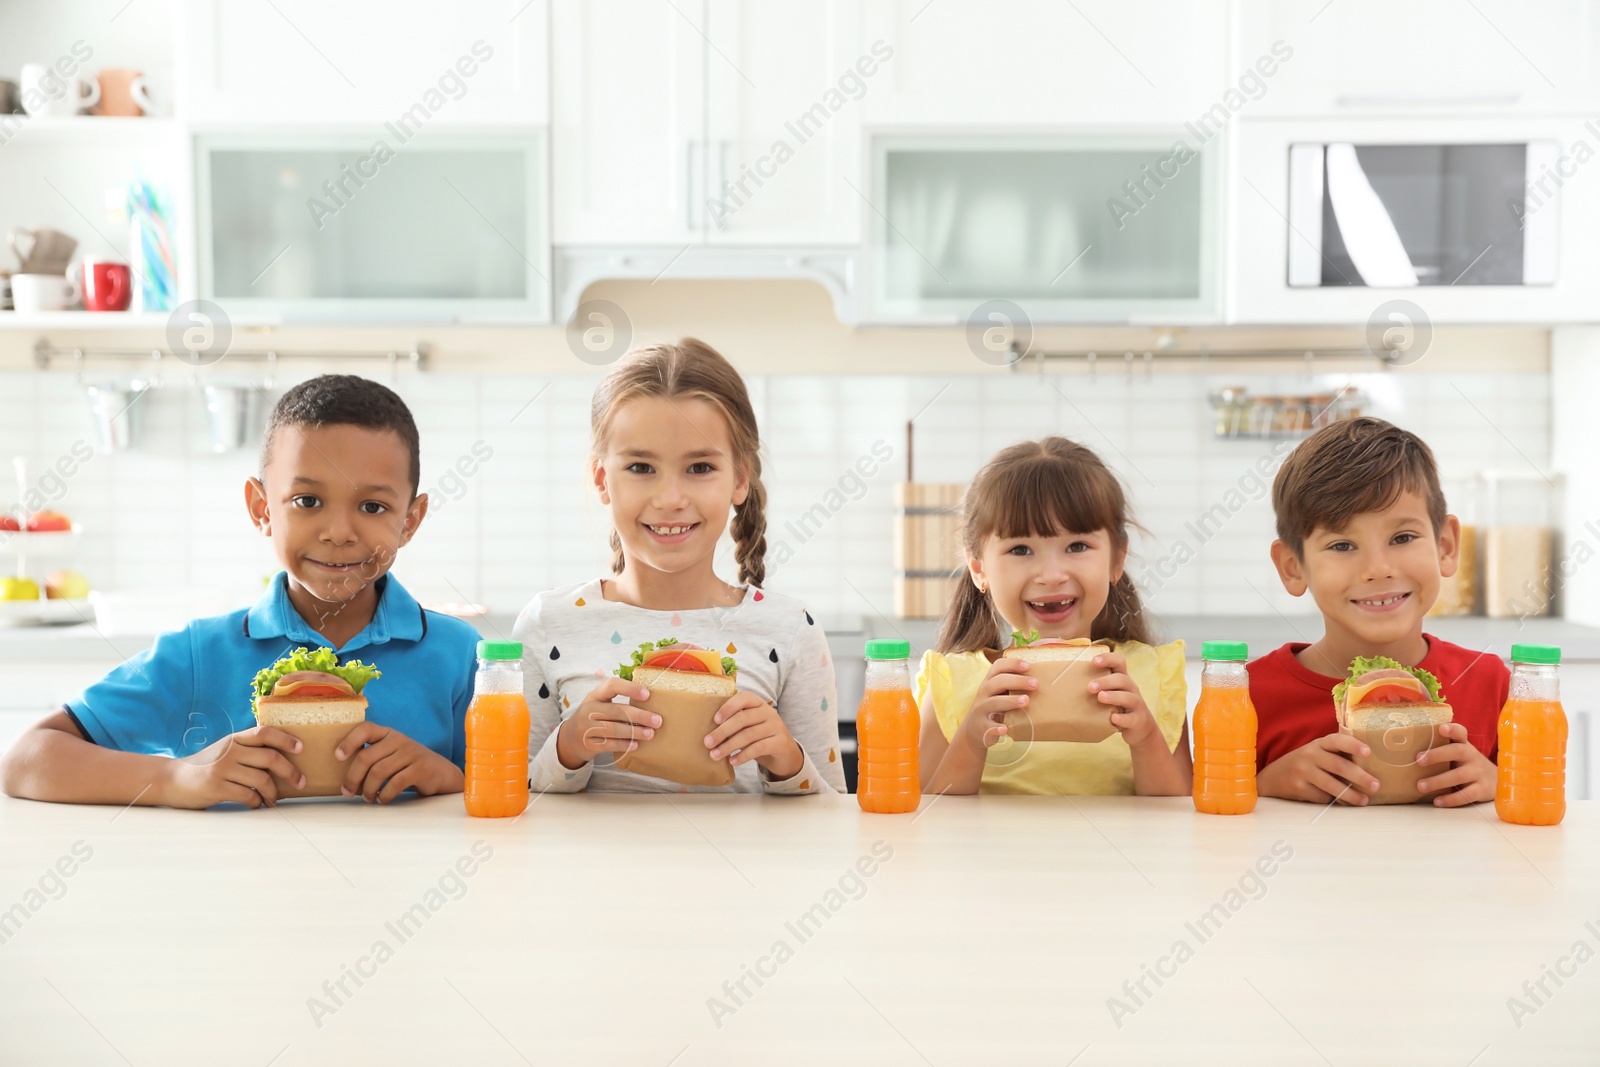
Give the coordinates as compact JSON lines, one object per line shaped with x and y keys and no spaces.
{"x":84,"y":320}
{"x":92,"y":128}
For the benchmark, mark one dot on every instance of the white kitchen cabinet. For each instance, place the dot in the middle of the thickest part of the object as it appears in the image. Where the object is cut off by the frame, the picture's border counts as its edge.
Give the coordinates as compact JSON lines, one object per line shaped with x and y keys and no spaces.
{"x":695,"y":123}
{"x":475,"y":61}
{"x":1070,"y":228}
{"x":1045,"y":63}
{"x":785,"y":85}
{"x":627,"y":122}
{"x":313,"y":224}
{"x":1580,"y":696}
{"x":1258,"y":289}
{"x":1355,"y":57}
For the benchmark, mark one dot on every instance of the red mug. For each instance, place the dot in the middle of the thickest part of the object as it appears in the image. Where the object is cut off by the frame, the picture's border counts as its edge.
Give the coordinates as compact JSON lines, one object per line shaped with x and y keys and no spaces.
{"x":107,"y":285}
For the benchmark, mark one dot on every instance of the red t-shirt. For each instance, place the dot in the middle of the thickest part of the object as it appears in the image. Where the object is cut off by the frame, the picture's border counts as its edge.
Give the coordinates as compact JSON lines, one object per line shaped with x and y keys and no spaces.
{"x":1294,"y":705}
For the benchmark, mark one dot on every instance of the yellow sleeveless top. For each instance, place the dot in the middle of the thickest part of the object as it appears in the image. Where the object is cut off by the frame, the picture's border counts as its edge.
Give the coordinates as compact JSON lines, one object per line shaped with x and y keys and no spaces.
{"x":1056,"y":768}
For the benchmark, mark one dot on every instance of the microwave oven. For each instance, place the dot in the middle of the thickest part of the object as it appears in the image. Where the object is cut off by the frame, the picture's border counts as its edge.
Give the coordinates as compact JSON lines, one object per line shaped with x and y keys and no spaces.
{"x":1403,"y":215}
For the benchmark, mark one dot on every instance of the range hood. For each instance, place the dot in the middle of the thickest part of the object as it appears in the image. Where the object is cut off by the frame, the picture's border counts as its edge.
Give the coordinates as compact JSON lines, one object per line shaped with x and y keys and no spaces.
{"x":832,"y":267}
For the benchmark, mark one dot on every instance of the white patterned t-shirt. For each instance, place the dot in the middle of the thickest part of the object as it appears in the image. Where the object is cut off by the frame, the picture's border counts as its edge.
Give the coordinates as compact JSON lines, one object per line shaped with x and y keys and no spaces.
{"x":573,"y":638}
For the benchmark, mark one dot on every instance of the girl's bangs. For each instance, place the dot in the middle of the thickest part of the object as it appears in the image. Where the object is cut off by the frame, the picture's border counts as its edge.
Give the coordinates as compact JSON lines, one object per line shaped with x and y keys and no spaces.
{"x":1045,"y":498}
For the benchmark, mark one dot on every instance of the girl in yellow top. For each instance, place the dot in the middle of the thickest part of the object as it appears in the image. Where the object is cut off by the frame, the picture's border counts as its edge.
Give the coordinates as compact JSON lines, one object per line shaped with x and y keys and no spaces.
{"x":1046,"y":539}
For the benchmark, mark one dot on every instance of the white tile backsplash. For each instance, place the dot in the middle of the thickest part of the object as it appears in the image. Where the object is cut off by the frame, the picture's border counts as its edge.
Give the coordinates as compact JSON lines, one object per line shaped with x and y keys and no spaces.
{"x":172,"y":513}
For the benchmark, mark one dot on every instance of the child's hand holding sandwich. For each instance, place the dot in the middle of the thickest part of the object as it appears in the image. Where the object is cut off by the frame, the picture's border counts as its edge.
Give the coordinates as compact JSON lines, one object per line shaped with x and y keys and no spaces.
{"x":751,"y":729}
{"x":385,"y":763}
{"x":1005,"y":688}
{"x":1470,"y":775}
{"x":1129,"y":712}
{"x":1320,"y":772}
{"x":244,"y":768}
{"x":602,"y":725}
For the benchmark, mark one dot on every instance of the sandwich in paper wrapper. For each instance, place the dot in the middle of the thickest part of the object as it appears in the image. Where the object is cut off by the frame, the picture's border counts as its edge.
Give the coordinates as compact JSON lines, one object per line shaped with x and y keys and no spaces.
{"x":687,"y":685}
{"x":1396,"y":711}
{"x":1062,"y":708}
{"x":314,"y":697}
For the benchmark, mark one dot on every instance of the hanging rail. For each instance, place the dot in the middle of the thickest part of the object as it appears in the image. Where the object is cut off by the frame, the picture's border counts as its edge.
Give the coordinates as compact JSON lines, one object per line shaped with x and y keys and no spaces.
{"x":1144,"y":357}
{"x":45,"y":353}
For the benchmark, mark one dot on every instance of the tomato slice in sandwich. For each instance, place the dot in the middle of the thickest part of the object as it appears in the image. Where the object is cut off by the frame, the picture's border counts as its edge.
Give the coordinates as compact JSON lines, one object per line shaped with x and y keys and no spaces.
{"x":319,"y":691}
{"x":677,"y":661}
{"x":1394,"y":694}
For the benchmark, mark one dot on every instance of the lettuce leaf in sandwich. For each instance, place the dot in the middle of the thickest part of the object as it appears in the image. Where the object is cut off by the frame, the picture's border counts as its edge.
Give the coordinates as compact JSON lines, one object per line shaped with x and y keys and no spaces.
{"x":356,"y":673}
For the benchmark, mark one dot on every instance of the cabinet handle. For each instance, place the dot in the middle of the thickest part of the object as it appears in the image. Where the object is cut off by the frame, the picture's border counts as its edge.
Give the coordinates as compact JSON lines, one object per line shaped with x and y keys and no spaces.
{"x":697,"y":164}
{"x":691,"y":210}
{"x":722,"y":179}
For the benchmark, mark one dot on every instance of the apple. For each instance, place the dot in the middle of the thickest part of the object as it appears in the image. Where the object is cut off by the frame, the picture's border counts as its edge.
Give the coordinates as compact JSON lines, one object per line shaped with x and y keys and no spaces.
{"x":18,"y":589}
{"x":48,"y":522}
{"x":66,"y":585}
{"x":9,"y":524}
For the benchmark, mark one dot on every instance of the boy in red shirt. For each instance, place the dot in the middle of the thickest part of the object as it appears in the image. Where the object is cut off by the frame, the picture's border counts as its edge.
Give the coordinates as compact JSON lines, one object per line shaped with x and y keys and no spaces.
{"x":1362,"y":525}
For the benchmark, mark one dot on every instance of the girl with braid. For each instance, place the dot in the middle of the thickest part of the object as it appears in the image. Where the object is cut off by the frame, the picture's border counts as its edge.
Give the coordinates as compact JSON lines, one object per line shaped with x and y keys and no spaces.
{"x":1045,"y":534}
{"x":675,"y":452}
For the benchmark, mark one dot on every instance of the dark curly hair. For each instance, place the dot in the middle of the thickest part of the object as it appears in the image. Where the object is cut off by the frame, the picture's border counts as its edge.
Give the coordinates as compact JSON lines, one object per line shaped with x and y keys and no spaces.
{"x":346,"y":400}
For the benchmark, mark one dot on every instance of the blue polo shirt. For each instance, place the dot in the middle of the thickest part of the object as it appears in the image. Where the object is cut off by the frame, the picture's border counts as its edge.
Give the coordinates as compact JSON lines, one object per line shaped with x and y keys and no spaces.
{"x":195,"y":685}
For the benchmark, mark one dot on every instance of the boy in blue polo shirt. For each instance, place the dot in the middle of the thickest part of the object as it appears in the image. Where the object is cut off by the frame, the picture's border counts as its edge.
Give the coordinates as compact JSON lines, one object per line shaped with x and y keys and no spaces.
{"x":337,"y":497}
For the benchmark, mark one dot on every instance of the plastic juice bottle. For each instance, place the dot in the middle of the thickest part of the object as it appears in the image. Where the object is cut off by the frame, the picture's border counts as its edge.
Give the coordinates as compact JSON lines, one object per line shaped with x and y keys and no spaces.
{"x":1532,"y":782}
{"x":497,"y":734}
{"x":887,"y":728}
{"x":1224,"y":732}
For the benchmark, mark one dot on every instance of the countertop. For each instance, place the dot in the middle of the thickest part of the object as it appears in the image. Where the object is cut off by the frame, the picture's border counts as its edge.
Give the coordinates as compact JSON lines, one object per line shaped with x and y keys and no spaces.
{"x":733,"y":930}
{"x":1579,"y":643}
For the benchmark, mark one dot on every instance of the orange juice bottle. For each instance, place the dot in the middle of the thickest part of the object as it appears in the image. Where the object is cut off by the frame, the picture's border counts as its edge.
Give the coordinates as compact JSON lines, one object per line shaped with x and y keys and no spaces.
{"x":1532,"y":781}
{"x":497,"y":734}
{"x":1224,"y":732}
{"x":887,"y":728}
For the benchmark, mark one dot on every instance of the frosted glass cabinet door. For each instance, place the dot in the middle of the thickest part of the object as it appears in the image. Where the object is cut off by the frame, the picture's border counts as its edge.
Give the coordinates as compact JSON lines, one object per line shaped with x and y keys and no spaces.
{"x":1071,"y":229}
{"x":324,"y":226}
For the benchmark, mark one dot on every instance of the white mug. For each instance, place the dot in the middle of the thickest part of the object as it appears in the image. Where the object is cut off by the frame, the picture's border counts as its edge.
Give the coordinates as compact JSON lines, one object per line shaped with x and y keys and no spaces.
{"x":46,"y":92}
{"x":42,"y":292}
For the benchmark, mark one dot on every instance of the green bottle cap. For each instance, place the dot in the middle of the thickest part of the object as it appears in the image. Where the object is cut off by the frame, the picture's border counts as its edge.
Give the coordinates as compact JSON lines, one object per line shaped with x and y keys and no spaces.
{"x":1535,"y":654}
{"x":499,"y":649}
{"x":1225,"y":650}
{"x":881,"y":649}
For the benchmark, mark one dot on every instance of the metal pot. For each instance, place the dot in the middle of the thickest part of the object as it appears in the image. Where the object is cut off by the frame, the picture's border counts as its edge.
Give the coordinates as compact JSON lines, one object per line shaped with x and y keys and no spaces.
{"x":228,"y":416}
{"x":115,"y":410}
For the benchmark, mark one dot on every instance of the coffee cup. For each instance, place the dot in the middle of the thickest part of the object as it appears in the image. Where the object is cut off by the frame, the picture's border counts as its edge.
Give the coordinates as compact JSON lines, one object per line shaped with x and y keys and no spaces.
{"x":122,"y":92}
{"x":42,"y":292}
{"x":107,"y":285}
{"x":46,"y":92}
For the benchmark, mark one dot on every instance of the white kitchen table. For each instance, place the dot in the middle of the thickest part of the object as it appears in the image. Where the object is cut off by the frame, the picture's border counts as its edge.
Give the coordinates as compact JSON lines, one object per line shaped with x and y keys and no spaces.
{"x":618,"y":929}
